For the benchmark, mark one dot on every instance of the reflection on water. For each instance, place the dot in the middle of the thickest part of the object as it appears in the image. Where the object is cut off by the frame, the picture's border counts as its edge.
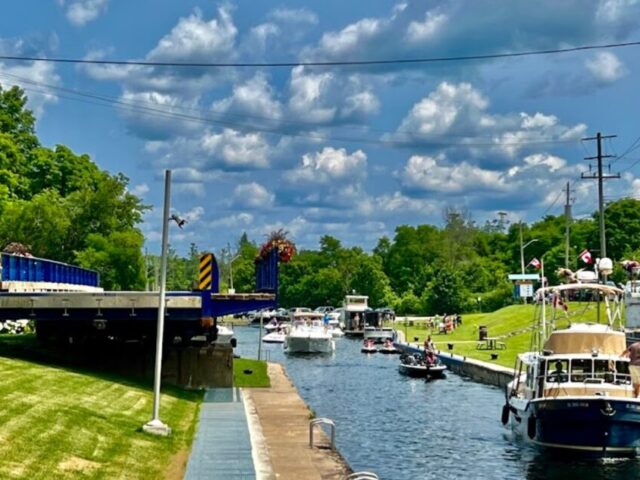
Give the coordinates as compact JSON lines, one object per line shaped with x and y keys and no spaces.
{"x":407,"y":428}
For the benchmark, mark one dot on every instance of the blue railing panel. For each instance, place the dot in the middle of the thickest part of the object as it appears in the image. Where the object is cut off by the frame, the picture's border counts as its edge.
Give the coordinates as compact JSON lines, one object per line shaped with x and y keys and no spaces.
{"x":33,"y":269}
{"x":267,"y":273}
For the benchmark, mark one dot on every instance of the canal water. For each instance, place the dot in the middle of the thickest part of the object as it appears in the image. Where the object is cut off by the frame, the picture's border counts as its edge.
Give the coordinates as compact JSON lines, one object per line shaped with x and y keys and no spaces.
{"x":402,"y":428}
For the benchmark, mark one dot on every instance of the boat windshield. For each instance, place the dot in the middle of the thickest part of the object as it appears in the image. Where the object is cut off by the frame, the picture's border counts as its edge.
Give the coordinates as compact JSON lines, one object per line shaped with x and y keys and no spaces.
{"x":584,"y":370}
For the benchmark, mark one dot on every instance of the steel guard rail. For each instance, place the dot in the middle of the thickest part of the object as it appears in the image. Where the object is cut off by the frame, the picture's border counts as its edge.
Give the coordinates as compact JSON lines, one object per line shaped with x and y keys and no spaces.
{"x":33,"y":269}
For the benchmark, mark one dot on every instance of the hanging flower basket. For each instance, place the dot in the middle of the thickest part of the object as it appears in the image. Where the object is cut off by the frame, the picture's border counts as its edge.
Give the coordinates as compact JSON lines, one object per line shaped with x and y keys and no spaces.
{"x":277,"y":240}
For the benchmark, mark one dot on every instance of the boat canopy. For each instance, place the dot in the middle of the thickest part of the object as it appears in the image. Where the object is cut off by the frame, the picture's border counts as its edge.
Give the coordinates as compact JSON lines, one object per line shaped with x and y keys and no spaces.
{"x":586,"y":338}
{"x":606,"y":289}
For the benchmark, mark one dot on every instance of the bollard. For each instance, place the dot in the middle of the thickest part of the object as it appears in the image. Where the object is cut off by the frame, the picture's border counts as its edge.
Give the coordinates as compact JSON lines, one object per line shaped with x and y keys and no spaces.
{"x":323,"y":421}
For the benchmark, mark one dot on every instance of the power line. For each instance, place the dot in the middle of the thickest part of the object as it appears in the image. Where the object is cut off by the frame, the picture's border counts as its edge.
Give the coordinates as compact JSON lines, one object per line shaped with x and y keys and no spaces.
{"x":392,"y":61}
{"x":553,"y":203}
{"x":631,"y":148}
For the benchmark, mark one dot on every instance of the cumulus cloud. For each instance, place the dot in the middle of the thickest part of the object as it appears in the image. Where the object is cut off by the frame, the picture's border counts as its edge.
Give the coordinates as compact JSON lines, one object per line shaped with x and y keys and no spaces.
{"x":140,"y":190}
{"x":81,"y":12}
{"x":252,"y":195}
{"x":522,"y":186}
{"x":432,"y":174}
{"x":194,"y":39}
{"x":236,"y":150}
{"x":294,"y":15}
{"x":461,"y":111}
{"x":23,"y":74}
{"x":329,"y":165}
{"x":605,"y":67}
{"x":420,"y":31}
{"x":254,"y":98}
{"x":325,"y":97}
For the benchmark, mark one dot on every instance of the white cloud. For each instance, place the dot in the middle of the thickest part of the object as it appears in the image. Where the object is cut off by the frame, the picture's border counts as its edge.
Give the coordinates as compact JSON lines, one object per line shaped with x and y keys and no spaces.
{"x":239,"y":220}
{"x":447,"y":107}
{"x":605,"y":67}
{"x":554,"y":163}
{"x":614,"y":10}
{"x":294,"y":15}
{"x":432,"y":174}
{"x":330,"y":165}
{"x":307,"y":95}
{"x":254,"y":98}
{"x":81,"y":12}
{"x":326,"y":97}
{"x":237,"y":150}
{"x":22,"y":74}
{"x":140,"y":190}
{"x":351,"y":37}
{"x":420,"y":31}
{"x":196,"y":39}
{"x":252,"y":195}
{"x":260,"y":35}
{"x":460,"y":111}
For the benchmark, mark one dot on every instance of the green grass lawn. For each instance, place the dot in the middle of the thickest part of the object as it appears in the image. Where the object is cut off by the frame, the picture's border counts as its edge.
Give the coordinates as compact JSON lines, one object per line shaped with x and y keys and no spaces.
{"x":57,"y":423}
{"x":499,"y":323}
{"x":258,"y":376}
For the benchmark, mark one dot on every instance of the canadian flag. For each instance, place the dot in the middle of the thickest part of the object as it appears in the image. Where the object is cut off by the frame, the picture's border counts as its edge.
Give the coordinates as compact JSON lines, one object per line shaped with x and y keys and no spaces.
{"x":535,"y":263}
{"x":585,"y":256}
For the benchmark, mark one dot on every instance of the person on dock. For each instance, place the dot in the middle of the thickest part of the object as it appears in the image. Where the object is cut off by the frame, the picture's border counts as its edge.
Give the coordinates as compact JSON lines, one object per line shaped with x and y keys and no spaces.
{"x":633,"y":352}
{"x":428,"y":346}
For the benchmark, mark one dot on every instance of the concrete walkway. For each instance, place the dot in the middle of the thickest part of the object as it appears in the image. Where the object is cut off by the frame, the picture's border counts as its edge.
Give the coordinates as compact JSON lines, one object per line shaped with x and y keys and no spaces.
{"x":222,"y":447}
{"x":284,"y":427}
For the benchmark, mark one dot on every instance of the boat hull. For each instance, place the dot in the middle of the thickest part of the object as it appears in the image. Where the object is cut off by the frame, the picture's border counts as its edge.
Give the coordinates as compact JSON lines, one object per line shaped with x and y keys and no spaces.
{"x":420,"y":371}
{"x":309,"y":344}
{"x":598,"y":425}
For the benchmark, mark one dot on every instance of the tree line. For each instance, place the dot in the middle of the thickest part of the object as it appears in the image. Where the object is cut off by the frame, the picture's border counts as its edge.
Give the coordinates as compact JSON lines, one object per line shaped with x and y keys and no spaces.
{"x":68,"y":209}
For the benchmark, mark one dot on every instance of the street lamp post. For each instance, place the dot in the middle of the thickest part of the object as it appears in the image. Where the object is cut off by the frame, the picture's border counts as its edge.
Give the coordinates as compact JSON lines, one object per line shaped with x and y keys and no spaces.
{"x":155,"y":425}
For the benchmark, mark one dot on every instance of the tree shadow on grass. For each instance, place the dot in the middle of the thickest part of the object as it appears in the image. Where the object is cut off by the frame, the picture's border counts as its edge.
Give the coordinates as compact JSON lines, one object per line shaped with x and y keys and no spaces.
{"x":129,"y":364}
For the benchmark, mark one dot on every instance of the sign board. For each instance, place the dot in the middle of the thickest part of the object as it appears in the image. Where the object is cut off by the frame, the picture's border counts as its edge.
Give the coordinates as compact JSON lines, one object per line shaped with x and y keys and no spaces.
{"x":526,"y":290}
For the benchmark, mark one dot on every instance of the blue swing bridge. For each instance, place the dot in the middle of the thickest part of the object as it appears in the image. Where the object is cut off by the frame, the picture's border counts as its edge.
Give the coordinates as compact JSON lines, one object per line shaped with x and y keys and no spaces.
{"x":66,"y":301}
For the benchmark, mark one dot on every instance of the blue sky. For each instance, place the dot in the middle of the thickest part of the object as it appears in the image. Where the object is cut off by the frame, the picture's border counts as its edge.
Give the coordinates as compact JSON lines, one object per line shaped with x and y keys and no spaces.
{"x":350,"y":151}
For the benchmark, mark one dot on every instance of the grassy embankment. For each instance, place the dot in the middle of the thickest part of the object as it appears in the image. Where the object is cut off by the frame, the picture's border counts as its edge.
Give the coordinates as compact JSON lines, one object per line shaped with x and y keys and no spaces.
{"x":511,"y":324}
{"x":59,"y":423}
{"x":65,"y":423}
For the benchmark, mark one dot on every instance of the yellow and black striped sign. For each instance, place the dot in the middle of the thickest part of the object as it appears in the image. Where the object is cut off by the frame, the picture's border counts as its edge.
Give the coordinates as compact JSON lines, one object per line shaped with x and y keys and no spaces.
{"x":205,"y":277}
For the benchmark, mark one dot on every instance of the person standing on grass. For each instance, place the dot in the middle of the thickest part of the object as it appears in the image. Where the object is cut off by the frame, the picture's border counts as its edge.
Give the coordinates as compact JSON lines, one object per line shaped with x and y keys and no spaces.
{"x":633,"y":352}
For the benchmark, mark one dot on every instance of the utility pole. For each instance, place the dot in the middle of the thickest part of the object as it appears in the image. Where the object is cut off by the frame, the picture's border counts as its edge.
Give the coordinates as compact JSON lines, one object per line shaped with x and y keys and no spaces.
{"x":600,"y":176}
{"x":567,"y":233}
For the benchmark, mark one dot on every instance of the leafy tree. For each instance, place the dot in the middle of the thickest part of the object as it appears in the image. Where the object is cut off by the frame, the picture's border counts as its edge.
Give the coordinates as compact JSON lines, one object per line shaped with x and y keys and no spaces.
{"x":445,"y":293}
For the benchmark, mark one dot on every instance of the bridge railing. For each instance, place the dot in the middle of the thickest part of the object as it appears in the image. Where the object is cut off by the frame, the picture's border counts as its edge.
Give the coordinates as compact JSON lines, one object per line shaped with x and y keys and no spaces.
{"x":267,"y":273}
{"x":17,"y":268}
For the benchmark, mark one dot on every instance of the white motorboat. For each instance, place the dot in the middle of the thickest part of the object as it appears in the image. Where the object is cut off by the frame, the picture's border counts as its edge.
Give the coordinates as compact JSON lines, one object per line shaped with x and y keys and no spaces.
{"x":274,"y":337}
{"x":573,"y":390}
{"x":309,"y":335}
{"x":336,"y":332}
{"x":225,"y":334}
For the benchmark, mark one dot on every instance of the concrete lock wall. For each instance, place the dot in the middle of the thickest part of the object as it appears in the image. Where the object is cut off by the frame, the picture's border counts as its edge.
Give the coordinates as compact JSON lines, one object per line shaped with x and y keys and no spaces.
{"x":477,"y":370}
{"x":199,"y":367}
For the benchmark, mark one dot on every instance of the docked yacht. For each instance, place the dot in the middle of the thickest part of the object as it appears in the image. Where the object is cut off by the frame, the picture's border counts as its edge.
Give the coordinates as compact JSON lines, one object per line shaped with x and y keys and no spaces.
{"x":308,"y":334}
{"x":573,"y":390}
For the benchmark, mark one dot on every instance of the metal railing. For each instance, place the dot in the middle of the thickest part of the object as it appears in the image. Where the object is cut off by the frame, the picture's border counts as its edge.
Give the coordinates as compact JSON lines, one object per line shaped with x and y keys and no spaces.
{"x":323,"y":421}
{"x":362,"y":476}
